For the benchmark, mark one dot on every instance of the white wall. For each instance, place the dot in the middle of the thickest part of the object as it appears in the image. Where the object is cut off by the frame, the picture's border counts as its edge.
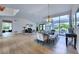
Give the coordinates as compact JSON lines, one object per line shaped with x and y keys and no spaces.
{"x":0,"y":27}
{"x":76,"y":30}
{"x":19,"y":23}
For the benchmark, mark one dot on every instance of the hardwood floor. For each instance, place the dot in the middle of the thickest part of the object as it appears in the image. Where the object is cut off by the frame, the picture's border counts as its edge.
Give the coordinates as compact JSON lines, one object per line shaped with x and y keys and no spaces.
{"x":26,"y":44}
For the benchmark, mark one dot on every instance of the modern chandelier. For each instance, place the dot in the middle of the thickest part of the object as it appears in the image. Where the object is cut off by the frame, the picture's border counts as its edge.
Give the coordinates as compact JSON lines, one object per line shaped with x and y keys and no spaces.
{"x":48,"y":17}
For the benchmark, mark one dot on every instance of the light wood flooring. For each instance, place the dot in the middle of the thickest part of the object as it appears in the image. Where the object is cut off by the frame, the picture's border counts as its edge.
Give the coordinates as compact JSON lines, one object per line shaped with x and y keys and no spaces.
{"x":26,"y":44}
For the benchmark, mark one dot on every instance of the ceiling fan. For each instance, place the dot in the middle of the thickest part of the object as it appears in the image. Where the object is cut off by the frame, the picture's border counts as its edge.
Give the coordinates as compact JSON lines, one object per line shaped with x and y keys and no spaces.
{"x":2,"y":8}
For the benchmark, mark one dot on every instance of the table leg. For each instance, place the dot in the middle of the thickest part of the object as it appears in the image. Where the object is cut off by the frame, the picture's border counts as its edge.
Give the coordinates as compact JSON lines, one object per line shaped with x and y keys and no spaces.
{"x":66,"y":41}
{"x":75,"y":40}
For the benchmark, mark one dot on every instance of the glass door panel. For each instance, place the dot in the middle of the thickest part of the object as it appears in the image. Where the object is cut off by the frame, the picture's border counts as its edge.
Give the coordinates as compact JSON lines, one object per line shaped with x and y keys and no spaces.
{"x":77,"y":15}
{"x":61,"y":24}
{"x":64,"y":24}
{"x":55,"y":23}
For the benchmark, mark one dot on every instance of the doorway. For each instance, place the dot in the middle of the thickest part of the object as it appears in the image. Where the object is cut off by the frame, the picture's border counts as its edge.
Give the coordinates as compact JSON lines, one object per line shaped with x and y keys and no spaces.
{"x":6,"y":26}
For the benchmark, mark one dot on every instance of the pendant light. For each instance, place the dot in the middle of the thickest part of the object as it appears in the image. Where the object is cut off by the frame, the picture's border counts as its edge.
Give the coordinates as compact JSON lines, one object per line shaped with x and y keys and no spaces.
{"x":49,"y":17}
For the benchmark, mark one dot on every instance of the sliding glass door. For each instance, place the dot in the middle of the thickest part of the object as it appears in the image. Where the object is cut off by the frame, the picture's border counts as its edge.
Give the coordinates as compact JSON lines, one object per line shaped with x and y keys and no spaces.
{"x":64,"y":24}
{"x":61,"y":24}
{"x":55,"y":22}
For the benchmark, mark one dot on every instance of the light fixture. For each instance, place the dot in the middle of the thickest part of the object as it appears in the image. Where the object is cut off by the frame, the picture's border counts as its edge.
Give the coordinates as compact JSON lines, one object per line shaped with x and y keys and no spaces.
{"x":2,"y":8}
{"x":49,"y":17}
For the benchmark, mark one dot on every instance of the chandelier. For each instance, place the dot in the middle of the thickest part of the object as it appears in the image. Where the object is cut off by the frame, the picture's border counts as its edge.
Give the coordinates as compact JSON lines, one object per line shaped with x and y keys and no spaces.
{"x":48,"y":17}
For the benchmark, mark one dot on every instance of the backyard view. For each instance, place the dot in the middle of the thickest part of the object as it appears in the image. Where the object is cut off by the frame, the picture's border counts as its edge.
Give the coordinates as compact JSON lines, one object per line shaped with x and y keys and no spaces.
{"x":60,"y":24}
{"x":62,"y":28}
{"x":6,"y":27}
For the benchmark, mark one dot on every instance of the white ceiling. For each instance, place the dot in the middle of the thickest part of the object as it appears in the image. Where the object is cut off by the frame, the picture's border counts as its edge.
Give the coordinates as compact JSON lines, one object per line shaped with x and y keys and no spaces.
{"x":9,"y":12}
{"x":37,"y":12}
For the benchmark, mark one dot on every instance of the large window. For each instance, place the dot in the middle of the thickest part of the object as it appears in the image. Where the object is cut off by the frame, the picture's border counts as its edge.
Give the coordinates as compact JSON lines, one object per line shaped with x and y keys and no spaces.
{"x":6,"y":26}
{"x":48,"y":26}
{"x":77,"y":15}
{"x":41,"y":27}
{"x":64,"y":23}
{"x":55,"y":22}
{"x":61,"y":23}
